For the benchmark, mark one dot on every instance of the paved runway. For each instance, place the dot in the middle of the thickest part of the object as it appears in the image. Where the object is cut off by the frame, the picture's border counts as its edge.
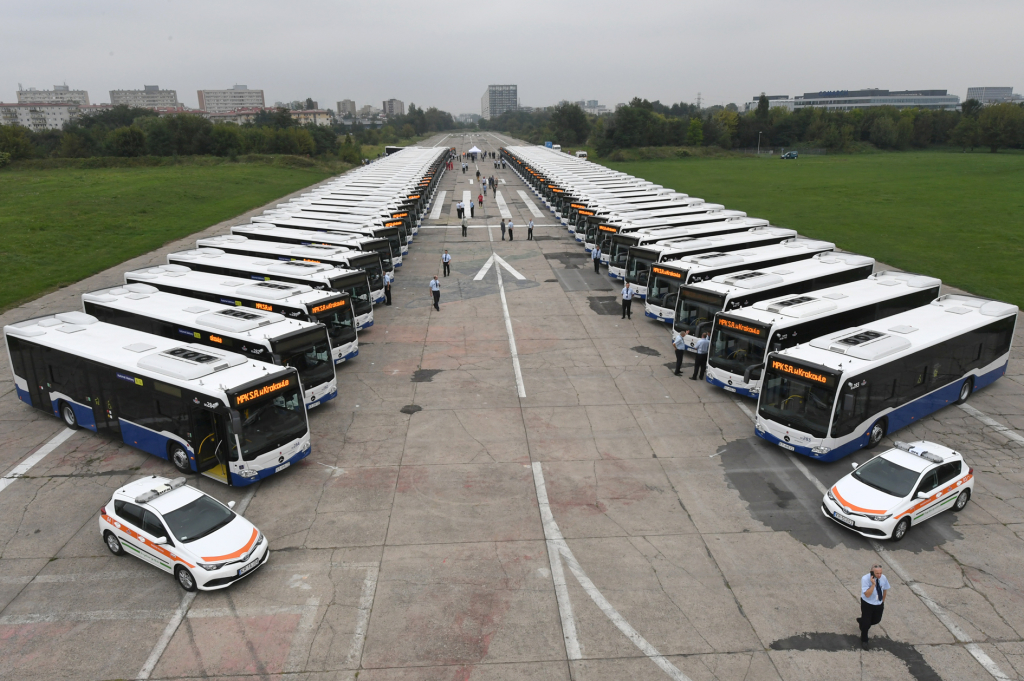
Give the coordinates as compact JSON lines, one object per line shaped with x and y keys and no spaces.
{"x":515,"y":487}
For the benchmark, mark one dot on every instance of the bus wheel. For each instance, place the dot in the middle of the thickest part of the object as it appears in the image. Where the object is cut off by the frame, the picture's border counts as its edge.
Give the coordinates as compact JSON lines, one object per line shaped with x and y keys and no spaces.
{"x":68,"y":414}
{"x":962,"y":500}
{"x":900,"y":531}
{"x":876,"y":434}
{"x":185,"y":579}
{"x":179,"y":457}
{"x":965,"y":390}
{"x":113,"y":544}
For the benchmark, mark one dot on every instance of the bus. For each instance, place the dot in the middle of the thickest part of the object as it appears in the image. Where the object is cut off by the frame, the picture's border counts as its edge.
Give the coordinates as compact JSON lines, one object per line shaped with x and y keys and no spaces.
{"x":206,"y":410}
{"x":266,"y":336}
{"x":627,"y":257}
{"x":846,"y":390}
{"x":338,"y":256}
{"x":295,"y":221}
{"x":268,"y":232}
{"x":315,"y":275}
{"x":741,"y":338}
{"x":344,"y":216}
{"x":626,"y":223}
{"x":699,"y":302}
{"x":666,"y":277}
{"x":294,"y":301}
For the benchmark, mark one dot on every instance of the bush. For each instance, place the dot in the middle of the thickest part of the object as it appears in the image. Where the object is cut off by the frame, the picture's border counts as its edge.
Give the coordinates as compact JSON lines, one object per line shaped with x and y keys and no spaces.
{"x":16,"y":141}
{"x":126,"y":141}
{"x":5,"y":158}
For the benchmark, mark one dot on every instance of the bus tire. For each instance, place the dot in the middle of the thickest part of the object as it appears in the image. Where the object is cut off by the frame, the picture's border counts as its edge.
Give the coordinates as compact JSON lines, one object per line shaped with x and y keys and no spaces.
{"x":179,"y":458}
{"x":965,"y":390}
{"x":185,"y":579}
{"x":901,"y":529}
{"x":962,"y":500}
{"x":68,"y":415}
{"x":877,"y":433}
{"x":113,"y":544}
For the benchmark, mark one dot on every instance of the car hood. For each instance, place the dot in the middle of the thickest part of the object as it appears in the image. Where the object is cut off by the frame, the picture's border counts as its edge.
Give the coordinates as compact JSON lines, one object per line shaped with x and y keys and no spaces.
{"x":230,"y":542}
{"x":860,"y":498}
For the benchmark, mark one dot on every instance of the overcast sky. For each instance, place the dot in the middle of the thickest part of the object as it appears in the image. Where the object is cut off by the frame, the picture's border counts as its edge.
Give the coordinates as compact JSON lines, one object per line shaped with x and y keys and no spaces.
{"x":445,"y":54}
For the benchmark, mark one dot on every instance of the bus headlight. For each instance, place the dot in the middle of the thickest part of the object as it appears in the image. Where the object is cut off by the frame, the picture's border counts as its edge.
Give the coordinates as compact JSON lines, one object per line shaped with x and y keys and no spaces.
{"x":821,"y":450}
{"x":758,"y":427}
{"x":880,"y":518}
{"x":248,"y":473}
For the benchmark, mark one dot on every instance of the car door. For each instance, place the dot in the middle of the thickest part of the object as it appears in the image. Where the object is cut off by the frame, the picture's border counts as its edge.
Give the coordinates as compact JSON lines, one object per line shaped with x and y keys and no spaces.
{"x":928,"y":484}
{"x":132,"y":533}
{"x":153,"y":529}
{"x":946,"y":473}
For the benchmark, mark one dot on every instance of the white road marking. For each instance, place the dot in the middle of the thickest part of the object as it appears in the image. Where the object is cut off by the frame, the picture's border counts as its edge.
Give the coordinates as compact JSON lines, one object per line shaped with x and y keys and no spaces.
{"x":502,"y":206}
{"x":302,"y":639}
{"x":440,"y":140}
{"x":471,"y":181}
{"x":557,"y":544}
{"x":501,"y":262}
{"x":530,"y":204}
{"x":435,"y":213}
{"x":940,"y":613}
{"x":503,"y":181}
{"x":508,"y":323}
{"x":355,"y":651}
{"x":40,"y":454}
{"x":993,"y":424}
{"x":466,"y":199}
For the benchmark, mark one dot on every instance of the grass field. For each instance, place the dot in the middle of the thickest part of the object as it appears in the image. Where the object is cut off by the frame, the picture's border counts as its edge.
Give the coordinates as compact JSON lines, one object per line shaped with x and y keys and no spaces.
{"x":61,"y":225}
{"x":956,"y":216}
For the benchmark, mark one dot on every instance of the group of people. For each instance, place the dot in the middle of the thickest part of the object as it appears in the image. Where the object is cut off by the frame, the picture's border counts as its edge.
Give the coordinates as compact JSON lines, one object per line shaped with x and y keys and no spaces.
{"x":700,"y":362}
{"x":460,"y":208}
{"x":510,"y":226}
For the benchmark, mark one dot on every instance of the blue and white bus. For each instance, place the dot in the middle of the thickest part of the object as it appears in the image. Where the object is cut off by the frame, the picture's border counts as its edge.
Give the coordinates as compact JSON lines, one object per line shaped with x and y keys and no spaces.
{"x":305,"y":223}
{"x":846,"y":390}
{"x":206,"y":410}
{"x":268,"y":232}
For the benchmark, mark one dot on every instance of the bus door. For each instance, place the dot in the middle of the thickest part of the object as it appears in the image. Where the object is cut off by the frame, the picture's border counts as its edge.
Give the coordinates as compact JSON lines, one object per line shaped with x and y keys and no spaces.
{"x":35,"y":376}
{"x":211,"y":436}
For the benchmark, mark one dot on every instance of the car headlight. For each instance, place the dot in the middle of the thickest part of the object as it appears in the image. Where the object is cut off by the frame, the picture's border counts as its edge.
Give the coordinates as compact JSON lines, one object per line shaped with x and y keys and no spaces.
{"x":211,"y":566}
{"x":880,"y":518}
{"x":259,"y":539}
{"x":831,"y":496}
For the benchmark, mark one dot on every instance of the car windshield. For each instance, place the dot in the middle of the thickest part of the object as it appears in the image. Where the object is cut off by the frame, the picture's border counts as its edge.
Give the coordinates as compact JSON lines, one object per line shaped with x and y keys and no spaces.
{"x":886,"y":476}
{"x":796,"y":402}
{"x":272,"y":423}
{"x":734,"y":352}
{"x":198,"y":518}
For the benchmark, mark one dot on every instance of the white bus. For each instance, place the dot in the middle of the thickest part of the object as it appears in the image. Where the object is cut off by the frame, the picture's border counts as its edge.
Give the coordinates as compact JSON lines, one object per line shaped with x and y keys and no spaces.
{"x":205,"y":410}
{"x":303,"y":237}
{"x":342,"y":216}
{"x":847,"y":390}
{"x":741,"y":338}
{"x":341,"y":257}
{"x":266,"y":336}
{"x":333,"y":309}
{"x":666,"y":277}
{"x":316,"y":275}
{"x":292,"y":221}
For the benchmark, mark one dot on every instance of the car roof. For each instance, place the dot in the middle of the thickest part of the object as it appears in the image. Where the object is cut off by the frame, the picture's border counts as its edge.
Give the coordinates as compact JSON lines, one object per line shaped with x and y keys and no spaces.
{"x":914,"y":461}
{"x":166,"y":502}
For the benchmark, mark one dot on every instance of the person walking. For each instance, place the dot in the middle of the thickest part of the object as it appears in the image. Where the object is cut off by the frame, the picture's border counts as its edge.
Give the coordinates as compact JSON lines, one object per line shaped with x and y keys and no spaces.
{"x":595,"y":255}
{"x":679,"y":343}
{"x":873,"y":589}
{"x":463,"y":168}
{"x":446,"y":262}
{"x":510,"y":230}
{"x":529,"y":231}
{"x":700,"y":364}
{"x":388,"y":278}
{"x":480,"y":198}
{"x":435,"y":290}
{"x":503,"y":229}
{"x":465,"y":224}
{"x":627,"y":301}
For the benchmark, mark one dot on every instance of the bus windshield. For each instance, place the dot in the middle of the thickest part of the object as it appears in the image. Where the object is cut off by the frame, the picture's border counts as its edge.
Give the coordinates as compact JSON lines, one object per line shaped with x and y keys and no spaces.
{"x":619,"y":252}
{"x":309,"y":353}
{"x":360,"y":293}
{"x":736,"y":345}
{"x":697,"y":309}
{"x":340,"y":323}
{"x":271,"y":423}
{"x":797,"y":398}
{"x":638,"y":268}
{"x":663,"y":288}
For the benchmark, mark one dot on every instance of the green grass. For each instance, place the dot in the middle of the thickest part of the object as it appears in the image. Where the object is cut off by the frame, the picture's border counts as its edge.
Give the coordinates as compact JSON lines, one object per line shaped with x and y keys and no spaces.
{"x":959,"y":217}
{"x":64,"y":224}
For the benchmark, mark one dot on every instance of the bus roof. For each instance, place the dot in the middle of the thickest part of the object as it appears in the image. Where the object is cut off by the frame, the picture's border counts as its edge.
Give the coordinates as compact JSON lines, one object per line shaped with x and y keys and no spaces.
{"x":741,"y":281}
{"x":335,"y":238}
{"x":292,"y":220}
{"x":277,"y":250}
{"x":672,"y":240}
{"x":704,"y":264}
{"x":265,"y":266}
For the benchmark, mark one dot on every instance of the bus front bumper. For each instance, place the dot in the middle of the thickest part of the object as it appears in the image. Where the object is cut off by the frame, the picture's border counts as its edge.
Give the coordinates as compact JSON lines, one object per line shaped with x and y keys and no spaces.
{"x":321,"y":393}
{"x":616,"y":272}
{"x":271,"y":462}
{"x":346,"y":351}
{"x":730,"y":383}
{"x":364,"y":321}
{"x":660,"y":314}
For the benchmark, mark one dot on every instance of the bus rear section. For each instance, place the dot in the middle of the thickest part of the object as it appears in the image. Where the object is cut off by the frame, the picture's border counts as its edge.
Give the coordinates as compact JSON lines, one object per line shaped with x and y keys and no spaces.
{"x":204,"y":410}
{"x":847,"y":390}
{"x":741,"y":338}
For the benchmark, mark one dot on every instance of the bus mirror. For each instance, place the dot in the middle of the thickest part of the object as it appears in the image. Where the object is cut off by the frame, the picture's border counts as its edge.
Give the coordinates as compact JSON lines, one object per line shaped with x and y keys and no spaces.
{"x":749,"y":372}
{"x":236,"y":423}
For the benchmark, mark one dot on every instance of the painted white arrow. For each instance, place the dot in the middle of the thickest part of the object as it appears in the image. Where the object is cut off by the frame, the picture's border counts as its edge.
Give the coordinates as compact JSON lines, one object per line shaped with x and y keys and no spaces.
{"x":501,"y":261}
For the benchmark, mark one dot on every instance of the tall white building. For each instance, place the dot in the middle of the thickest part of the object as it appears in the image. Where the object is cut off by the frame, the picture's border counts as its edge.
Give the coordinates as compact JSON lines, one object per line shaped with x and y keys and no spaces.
{"x":393,"y":107}
{"x":38,"y":116}
{"x":994,"y":95}
{"x":150,"y":97}
{"x":238,"y":97}
{"x":347,"y":108}
{"x":498,"y":99}
{"x":59,"y":94}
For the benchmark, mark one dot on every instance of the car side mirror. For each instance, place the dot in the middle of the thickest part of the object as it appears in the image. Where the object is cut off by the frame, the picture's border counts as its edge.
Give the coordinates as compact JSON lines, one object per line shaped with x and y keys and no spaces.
{"x":922,"y":495}
{"x":854,"y":464}
{"x":161,"y":541}
{"x":231,"y":504}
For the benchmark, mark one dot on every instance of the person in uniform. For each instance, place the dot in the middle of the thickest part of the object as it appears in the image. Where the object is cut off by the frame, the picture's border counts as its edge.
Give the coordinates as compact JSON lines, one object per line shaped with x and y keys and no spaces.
{"x":595,"y":255}
{"x":700,"y":364}
{"x":679,"y":343}
{"x":510,"y":225}
{"x":435,"y":290}
{"x":873,"y":589}
{"x":627,"y":301}
{"x":388,"y":278}
{"x":529,"y":231}
{"x":464,"y":225}
{"x":446,"y":260}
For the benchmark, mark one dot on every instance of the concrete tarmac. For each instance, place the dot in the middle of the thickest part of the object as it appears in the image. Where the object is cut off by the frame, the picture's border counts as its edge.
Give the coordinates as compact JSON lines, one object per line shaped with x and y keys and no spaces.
{"x":516,"y":487}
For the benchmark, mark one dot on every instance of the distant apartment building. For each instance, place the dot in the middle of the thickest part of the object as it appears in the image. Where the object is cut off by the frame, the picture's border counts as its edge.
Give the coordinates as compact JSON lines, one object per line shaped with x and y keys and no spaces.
{"x":237,"y":116}
{"x":347,"y":108}
{"x":60,"y":94}
{"x":393,"y":107}
{"x":848,"y":100}
{"x":149,"y":97}
{"x":315,"y":116}
{"x":238,"y":97}
{"x":468,"y":118}
{"x":368,"y":111}
{"x":39,"y":116}
{"x":498,"y":99}
{"x":994,"y":95}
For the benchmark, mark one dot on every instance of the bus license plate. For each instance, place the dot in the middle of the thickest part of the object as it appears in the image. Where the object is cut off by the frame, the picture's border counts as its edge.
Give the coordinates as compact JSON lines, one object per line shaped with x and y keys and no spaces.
{"x":313,"y":404}
{"x":248,"y":567}
{"x":786,"y":445}
{"x":729,"y":388}
{"x":282,"y":467}
{"x":842,"y":518}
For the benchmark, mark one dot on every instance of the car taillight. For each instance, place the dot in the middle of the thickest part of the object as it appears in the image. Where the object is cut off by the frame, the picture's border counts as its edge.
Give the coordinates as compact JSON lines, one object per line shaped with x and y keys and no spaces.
{"x":103,"y":510}
{"x":970,"y":471}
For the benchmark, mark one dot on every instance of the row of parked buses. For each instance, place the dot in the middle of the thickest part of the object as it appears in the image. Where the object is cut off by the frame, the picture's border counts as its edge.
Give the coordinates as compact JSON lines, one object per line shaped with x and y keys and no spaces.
{"x":836,"y":354}
{"x":213,"y":360}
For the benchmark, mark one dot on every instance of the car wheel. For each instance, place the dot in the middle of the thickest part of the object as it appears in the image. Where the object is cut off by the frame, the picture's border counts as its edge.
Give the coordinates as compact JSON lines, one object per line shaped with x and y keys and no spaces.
{"x":962,"y":500}
{"x":185,"y":579}
{"x":965,"y":390}
{"x":901,"y":529}
{"x":68,"y":414}
{"x":113,"y":544}
{"x":179,"y":457}
{"x":876,"y":434}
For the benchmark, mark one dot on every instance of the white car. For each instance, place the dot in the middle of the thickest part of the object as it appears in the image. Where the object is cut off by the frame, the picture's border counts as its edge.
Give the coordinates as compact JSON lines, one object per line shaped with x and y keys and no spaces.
{"x":899,"y":488}
{"x":183,"y":531}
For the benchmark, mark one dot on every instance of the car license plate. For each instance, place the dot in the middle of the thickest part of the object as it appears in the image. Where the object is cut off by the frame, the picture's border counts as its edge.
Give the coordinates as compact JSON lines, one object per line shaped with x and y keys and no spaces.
{"x":248,"y":567}
{"x":842,"y":518}
{"x":786,"y":445}
{"x":282,"y":467}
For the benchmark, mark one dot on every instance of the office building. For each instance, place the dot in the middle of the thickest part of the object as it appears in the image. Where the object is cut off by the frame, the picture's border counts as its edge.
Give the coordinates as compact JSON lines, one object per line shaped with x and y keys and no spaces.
{"x":238,"y":97}
{"x":39,"y":116}
{"x":150,"y":97}
{"x":498,"y":99}
{"x":368,"y":111}
{"x":347,"y":108}
{"x":848,"y":100}
{"x":994,"y":95}
{"x":60,"y":94}
{"x":393,"y":107}
{"x":774,"y":102}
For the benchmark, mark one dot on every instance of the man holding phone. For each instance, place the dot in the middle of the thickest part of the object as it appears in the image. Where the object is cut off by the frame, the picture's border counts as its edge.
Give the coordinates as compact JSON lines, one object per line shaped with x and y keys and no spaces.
{"x":873,"y":589}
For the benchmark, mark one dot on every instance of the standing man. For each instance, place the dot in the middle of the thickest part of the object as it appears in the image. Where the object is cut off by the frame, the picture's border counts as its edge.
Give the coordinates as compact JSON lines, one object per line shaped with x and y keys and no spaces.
{"x":503,"y":229}
{"x":388,"y":278}
{"x":700,"y":365}
{"x":627,"y":301}
{"x":510,"y":229}
{"x":873,"y":589}
{"x":595,"y":255}
{"x":458,"y":209}
{"x":464,"y":225}
{"x":472,"y":211}
{"x":529,"y":231}
{"x":435,"y":290}
{"x":679,"y":343}
{"x":446,"y":260}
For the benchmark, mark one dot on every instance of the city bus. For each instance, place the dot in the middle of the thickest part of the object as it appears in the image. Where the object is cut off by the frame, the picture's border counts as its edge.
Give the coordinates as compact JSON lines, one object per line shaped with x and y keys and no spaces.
{"x":206,"y":410}
{"x":294,"y":301}
{"x":316,"y":275}
{"x":627,"y":223}
{"x":614,"y":223}
{"x":298,"y":221}
{"x":338,"y":256}
{"x":266,"y":336}
{"x":345,"y":216}
{"x":666,"y":277}
{"x":268,"y":232}
{"x":699,"y":302}
{"x":741,"y":338}
{"x":846,"y":390}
